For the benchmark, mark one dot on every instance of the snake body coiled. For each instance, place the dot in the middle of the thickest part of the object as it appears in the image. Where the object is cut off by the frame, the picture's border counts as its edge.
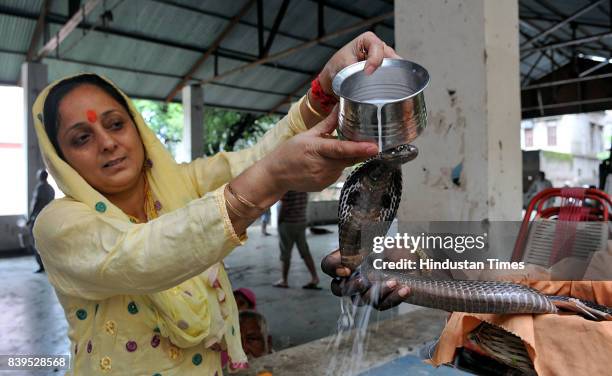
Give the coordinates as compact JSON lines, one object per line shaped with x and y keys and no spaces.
{"x":369,"y":201}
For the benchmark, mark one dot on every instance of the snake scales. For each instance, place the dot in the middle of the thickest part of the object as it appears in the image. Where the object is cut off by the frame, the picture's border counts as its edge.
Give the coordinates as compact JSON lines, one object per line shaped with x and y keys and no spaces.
{"x":369,"y":202}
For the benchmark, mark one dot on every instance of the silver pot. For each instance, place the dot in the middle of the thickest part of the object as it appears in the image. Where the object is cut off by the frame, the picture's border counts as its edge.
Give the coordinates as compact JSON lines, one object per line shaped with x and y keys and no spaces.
{"x":396,"y":87}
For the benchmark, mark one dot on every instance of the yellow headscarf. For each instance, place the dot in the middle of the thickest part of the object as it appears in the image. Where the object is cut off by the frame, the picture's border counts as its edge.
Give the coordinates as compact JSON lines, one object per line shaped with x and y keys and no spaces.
{"x":199,"y":310}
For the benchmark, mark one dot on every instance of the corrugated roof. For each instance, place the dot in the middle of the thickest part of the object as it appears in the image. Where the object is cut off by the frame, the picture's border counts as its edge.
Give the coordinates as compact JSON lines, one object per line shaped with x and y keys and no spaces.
{"x":539,"y":15}
{"x":150,"y":44}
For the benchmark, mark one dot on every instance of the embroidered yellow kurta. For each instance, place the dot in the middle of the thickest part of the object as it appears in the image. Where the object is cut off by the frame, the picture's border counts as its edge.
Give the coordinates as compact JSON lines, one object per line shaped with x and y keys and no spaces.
{"x":151,"y":298}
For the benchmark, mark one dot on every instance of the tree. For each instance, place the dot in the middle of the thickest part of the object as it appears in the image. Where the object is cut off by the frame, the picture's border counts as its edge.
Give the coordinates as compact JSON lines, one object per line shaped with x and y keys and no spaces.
{"x":165,"y":119}
{"x":223,"y":130}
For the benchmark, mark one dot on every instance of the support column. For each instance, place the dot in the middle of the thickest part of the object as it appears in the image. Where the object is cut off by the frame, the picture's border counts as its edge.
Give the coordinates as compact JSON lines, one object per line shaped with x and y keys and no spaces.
{"x":470,"y":48}
{"x":193,"y":123}
{"x":34,"y":80}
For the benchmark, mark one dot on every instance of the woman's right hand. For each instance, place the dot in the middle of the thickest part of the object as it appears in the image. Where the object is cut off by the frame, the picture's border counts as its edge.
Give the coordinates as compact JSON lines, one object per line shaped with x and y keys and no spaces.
{"x":313,"y":160}
{"x":307,"y":162}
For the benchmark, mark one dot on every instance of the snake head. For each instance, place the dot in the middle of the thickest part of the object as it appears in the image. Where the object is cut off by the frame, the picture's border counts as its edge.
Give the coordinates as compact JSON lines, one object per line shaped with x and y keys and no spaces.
{"x":400,"y":154}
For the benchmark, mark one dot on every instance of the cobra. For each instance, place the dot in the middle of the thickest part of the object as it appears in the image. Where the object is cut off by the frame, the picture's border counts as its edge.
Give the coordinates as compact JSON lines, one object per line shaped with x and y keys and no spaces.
{"x":369,"y":201}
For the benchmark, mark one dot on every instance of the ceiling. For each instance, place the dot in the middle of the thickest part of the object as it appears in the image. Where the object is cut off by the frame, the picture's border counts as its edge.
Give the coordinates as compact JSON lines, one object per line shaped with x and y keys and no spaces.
{"x":567,"y":68}
{"x":256,"y":55}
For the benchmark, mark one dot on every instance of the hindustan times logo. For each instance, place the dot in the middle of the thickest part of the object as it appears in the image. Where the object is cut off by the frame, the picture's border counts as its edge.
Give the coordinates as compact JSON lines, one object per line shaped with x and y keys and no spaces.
{"x":458,"y":243}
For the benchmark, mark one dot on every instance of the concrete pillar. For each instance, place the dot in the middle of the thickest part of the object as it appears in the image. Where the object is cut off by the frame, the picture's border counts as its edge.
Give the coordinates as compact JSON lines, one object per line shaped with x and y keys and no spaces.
{"x":470,"y":48}
{"x":193,"y":123}
{"x":34,"y":80}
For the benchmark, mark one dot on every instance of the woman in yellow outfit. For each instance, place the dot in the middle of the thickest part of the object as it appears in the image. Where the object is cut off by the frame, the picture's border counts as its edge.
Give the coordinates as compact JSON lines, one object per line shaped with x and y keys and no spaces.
{"x":134,"y":250}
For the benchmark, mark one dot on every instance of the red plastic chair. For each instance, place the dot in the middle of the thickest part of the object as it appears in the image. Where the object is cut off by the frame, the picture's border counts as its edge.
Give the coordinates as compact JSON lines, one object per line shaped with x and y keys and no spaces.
{"x":572,"y":209}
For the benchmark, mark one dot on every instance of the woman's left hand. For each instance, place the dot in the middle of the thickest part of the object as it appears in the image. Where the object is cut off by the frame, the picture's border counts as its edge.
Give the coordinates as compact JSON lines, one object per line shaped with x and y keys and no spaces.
{"x":366,"y":46}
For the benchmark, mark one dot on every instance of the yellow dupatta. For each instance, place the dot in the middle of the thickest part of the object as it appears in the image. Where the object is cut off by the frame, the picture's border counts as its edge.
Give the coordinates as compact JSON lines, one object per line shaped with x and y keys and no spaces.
{"x":201,"y":310}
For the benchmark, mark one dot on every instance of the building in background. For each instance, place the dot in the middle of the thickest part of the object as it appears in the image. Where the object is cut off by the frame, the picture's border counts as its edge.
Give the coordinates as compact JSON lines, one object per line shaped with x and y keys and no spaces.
{"x":567,"y":148}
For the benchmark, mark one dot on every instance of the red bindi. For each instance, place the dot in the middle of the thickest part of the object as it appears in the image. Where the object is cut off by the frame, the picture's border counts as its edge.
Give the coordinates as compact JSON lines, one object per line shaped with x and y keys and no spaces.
{"x":91,"y":116}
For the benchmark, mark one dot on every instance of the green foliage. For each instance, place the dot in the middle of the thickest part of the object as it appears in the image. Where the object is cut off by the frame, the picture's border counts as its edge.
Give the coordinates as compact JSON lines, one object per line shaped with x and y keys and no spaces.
{"x":230,"y":130}
{"x":603,"y":155}
{"x":166,"y":120}
{"x":223,"y":130}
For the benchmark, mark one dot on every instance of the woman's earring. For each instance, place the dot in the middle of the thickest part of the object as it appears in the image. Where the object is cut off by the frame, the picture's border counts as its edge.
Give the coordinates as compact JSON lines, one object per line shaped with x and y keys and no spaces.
{"x":148,"y":163}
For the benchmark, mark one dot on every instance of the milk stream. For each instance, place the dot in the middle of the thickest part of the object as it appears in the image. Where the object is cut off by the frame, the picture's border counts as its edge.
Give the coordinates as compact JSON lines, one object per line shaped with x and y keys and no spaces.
{"x":348,"y":347}
{"x":353,"y":321}
{"x":379,"y":103}
{"x":379,"y":116}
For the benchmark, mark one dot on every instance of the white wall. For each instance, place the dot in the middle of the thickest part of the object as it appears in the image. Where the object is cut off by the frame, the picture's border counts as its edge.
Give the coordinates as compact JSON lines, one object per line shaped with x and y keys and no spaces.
{"x":578,"y":134}
{"x":577,"y":172}
{"x":470,"y":48}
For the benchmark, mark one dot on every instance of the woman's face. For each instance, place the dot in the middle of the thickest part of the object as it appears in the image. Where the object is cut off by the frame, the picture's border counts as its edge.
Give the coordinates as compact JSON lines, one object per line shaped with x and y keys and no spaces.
{"x":99,"y":140}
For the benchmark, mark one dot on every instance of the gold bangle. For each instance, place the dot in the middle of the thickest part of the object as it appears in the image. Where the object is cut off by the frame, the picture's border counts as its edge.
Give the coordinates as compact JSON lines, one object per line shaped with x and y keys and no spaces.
{"x":238,"y":212}
{"x":233,"y":209}
{"x":311,"y":108}
{"x":242,"y":200}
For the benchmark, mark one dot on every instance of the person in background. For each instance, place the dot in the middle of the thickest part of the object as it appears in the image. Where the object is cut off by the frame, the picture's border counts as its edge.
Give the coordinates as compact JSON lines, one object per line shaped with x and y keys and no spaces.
{"x":292,"y":230}
{"x":539,"y":184}
{"x":245,"y":299}
{"x":256,"y":341}
{"x":43,"y":194}
{"x":265,"y":220}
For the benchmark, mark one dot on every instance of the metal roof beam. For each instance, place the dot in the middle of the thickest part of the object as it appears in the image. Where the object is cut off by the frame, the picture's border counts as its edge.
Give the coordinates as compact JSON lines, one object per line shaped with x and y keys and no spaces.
{"x":73,"y":7}
{"x":291,"y":51}
{"x":277,"y":21}
{"x":320,"y":18}
{"x":153,"y":98}
{"x":148,"y":72}
{"x":593,"y":68}
{"x":528,"y":75}
{"x":553,"y":62}
{"x":559,"y":25}
{"x":38,"y":30}
{"x":291,"y":95}
{"x":537,"y":44}
{"x":572,"y":103}
{"x":241,"y":22}
{"x":207,"y":104}
{"x":221,"y":52}
{"x":572,"y":42}
{"x":567,"y":81}
{"x":546,"y":4}
{"x":187,"y":76}
{"x":555,"y":19}
{"x":538,"y":29}
{"x":260,"y":26}
{"x":68,"y":28}
{"x":349,"y":12}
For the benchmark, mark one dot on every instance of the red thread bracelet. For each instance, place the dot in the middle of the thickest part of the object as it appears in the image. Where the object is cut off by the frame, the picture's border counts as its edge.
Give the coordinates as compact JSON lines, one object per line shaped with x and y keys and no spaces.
{"x":327,"y":101}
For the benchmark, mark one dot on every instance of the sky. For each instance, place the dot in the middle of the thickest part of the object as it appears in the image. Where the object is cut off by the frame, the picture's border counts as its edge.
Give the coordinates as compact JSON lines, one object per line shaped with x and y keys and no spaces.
{"x":12,"y":155}
{"x":13,"y":195}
